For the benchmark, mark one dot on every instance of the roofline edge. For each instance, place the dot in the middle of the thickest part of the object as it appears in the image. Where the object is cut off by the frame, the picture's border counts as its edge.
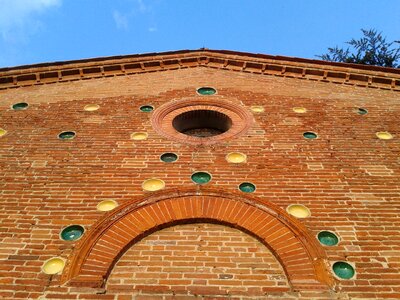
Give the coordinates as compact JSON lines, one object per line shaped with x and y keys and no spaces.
{"x":342,"y":73}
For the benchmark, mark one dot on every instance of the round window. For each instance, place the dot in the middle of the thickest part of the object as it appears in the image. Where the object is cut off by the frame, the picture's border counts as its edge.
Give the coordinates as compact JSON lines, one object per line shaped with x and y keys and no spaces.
{"x":202,"y":123}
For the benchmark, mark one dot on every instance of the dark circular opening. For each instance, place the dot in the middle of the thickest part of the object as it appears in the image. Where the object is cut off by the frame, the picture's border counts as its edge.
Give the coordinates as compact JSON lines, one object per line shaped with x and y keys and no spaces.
{"x":202,"y":123}
{"x":20,"y":106}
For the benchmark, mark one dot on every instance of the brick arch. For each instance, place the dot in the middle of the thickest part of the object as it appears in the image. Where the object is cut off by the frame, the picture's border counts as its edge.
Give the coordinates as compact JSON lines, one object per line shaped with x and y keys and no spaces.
{"x":300,"y":255}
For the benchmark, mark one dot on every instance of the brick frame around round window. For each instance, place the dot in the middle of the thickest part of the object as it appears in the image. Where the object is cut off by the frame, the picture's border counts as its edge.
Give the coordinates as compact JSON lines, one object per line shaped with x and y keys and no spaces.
{"x":162,"y":119}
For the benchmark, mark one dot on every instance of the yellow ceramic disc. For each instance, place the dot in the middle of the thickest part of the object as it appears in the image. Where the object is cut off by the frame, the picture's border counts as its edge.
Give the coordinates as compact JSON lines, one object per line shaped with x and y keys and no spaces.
{"x":53,"y":265}
{"x":384,"y":135}
{"x":139,"y":136}
{"x":299,"y":110}
{"x":107,"y":205}
{"x":257,"y":109}
{"x":236,"y":157}
{"x":91,"y":107}
{"x":153,"y":185}
{"x":2,"y":132}
{"x":298,"y":211}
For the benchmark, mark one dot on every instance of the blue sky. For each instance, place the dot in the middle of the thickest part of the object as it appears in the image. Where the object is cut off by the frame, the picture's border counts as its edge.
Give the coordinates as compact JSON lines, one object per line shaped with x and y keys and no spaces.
{"x":34,"y":31}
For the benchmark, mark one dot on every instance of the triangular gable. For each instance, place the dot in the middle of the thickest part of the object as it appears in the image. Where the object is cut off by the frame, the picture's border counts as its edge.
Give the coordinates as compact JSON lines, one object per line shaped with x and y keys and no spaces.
{"x":305,"y":69}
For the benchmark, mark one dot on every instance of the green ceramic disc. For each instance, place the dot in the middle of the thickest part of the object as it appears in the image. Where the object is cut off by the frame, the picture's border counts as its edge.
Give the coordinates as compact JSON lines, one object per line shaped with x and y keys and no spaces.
{"x":66,"y":135}
{"x":247,"y":187}
{"x":343,"y":270}
{"x":169,"y":157}
{"x":206,"y":91}
{"x":20,"y":106}
{"x":72,"y":233}
{"x":146,"y":108}
{"x":310,"y":135}
{"x":362,"y":111}
{"x":328,"y":238}
{"x":201,"y":177}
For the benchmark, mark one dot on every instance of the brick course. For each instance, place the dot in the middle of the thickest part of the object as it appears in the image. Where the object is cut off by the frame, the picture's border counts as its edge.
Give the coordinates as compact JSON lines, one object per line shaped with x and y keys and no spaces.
{"x":348,"y":178}
{"x":211,"y":256}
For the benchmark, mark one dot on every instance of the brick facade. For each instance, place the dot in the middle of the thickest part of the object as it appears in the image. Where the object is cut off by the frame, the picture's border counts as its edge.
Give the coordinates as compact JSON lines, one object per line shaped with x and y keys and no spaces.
{"x":199,"y":256}
{"x":191,"y":241}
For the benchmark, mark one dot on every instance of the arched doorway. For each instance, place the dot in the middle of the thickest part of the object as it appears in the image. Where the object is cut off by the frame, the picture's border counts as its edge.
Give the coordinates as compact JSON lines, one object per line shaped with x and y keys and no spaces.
{"x":301,"y":257}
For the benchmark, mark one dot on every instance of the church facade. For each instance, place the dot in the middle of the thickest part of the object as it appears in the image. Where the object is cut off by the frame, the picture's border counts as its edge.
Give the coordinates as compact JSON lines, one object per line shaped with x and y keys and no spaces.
{"x":199,"y":174}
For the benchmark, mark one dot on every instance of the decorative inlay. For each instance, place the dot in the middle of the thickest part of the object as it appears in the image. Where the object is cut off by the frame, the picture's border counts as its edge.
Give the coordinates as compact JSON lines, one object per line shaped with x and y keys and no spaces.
{"x":67,"y":135}
{"x":206,"y":91}
{"x":72,"y":233}
{"x":201,"y":177}
{"x":310,"y":135}
{"x":300,"y":110}
{"x":328,"y":238}
{"x":298,"y":211}
{"x":247,"y":187}
{"x":169,"y":157}
{"x":20,"y":106}
{"x":2,"y":132}
{"x":107,"y":205}
{"x":91,"y":107}
{"x":362,"y":111}
{"x":153,"y":184}
{"x":236,"y":157}
{"x":53,"y":265}
{"x":343,"y":270}
{"x":384,"y":135}
{"x":146,"y":108}
{"x":257,"y":109}
{"x":139,"y":136}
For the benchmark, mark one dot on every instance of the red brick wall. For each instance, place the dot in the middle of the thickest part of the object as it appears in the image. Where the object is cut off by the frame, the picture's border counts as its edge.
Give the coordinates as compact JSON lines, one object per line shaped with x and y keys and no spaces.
{"x":347,"y":178}
{"x":202,"y":259}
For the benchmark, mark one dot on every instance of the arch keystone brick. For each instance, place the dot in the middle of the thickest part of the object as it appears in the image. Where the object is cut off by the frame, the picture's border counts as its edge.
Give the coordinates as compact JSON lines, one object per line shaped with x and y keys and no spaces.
{"x":97,"y":252}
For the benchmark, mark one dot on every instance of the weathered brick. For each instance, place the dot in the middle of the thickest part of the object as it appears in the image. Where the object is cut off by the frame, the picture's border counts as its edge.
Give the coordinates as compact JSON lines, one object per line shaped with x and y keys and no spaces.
{"x":347,"y":177}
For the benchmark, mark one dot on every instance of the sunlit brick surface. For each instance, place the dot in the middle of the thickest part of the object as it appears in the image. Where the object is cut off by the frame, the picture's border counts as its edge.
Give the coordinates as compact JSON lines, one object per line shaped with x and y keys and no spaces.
{"x":201,"y":259}
{"x":348,"y":178}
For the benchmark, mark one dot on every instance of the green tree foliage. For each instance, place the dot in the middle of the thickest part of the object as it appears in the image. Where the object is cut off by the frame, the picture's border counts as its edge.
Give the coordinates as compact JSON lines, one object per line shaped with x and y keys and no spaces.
{"x":371,"y":49}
